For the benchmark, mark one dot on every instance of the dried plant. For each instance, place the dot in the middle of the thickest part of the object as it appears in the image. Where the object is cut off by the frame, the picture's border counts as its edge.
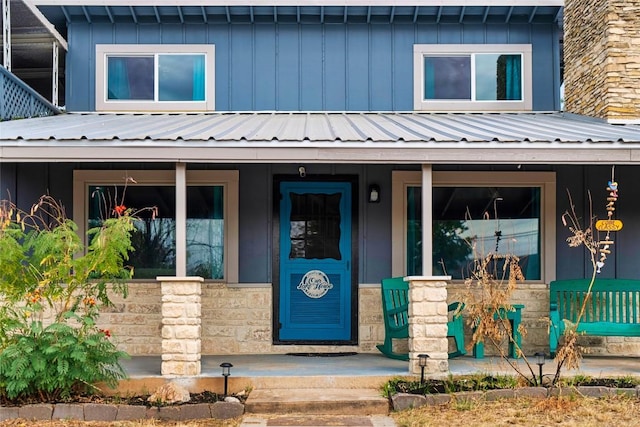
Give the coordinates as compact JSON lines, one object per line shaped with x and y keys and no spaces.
{"x":491,"y":281}
{"x":492,"y":278}
{"x":487,"y":300}
{"x":570,"y":352}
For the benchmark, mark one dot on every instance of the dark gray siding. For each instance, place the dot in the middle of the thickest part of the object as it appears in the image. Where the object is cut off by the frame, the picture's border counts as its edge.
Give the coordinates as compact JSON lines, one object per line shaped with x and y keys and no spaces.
{"x":624,"y":260}
{"x":256,"y":214}
{"x":7,"y":181}
{"x":26,"y":182}
{"x":311,"y":67}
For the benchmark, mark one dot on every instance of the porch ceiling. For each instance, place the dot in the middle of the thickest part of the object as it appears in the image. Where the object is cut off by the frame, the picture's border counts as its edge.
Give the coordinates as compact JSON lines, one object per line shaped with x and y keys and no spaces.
{"x":256,"y":137}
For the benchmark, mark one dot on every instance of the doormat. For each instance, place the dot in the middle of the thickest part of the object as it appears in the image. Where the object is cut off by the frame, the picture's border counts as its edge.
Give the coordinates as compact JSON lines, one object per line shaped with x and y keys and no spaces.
{"x":346,"y":353}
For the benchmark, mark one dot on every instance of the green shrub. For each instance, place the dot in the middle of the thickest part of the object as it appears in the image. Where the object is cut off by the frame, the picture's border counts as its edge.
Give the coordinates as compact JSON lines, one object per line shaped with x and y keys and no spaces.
{"x":52,"y":293}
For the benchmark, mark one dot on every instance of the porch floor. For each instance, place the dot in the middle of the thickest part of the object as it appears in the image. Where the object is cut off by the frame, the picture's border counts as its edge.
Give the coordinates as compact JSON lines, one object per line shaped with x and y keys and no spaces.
{"x":369,"y":365}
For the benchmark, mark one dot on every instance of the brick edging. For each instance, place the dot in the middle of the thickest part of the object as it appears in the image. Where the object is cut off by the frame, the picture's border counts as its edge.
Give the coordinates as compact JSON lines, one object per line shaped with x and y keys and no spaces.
{"x":401,"y":401}
{"x":111,"y":412}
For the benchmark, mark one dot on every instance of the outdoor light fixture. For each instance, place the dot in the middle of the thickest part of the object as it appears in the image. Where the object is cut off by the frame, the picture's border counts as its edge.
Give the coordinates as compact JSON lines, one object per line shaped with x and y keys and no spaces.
{"x":374,"y":193}
{"x":422,"y":362}
{"x":302,"y":171}
{"x":540,"y":358}
{"x":226,"y":371}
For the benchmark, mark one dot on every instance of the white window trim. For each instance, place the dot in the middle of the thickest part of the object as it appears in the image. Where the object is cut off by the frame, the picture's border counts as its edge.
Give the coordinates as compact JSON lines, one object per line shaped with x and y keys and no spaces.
{"x":400,"y":180}
{"x":420,"y":104}
{"x":229,"y":179}
{"x":102,"y":104}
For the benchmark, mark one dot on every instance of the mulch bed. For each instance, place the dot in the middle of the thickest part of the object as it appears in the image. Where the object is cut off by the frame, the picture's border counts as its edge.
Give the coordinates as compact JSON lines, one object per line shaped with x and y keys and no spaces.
{"x":139,"y":400}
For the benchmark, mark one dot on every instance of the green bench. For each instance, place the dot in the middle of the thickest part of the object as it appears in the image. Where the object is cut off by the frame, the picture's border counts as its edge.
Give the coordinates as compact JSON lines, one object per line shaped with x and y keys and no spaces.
{"x":395,"y":310}
{"x":611,"y":310}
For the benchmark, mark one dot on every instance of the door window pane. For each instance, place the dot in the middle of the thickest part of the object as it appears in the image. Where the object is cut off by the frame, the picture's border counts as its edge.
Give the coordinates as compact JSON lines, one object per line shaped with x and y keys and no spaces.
{"x":315,"y":226}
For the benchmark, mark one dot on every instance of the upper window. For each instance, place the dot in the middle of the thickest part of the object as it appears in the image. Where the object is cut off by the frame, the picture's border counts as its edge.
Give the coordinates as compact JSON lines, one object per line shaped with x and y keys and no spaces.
{"x":155,"y":77}
{"x":210,"y":223}
{"x":472,"y":77}
{"x":474,"y":214}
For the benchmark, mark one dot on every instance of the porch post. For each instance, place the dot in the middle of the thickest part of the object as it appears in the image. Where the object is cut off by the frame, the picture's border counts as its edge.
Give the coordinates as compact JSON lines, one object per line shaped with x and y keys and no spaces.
{"x":428,"y":324}
{"x":54,"y":73}
{"x":181,"y":219}
{"x":427,"y":220}
{"x":181,"y":325}
{"x":6,"y":34}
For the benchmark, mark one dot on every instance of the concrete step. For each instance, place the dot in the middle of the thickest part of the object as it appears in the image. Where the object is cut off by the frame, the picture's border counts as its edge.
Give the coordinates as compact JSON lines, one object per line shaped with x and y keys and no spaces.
{"x":317,"y":421}
{"x":315,"y":381}
{"x":239,"y":383}
{"x":320,"y":401}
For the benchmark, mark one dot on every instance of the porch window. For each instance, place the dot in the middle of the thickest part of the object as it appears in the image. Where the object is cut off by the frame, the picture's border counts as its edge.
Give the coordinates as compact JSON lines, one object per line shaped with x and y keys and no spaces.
{"x":210,"y":205}
{"x":472,"y":77}
{"x":154,"y":77}
{"x":487,"y":212}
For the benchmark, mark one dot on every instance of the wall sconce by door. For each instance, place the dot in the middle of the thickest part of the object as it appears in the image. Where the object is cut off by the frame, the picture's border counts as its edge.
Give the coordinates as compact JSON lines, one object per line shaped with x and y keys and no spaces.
{"x":374,"y":193}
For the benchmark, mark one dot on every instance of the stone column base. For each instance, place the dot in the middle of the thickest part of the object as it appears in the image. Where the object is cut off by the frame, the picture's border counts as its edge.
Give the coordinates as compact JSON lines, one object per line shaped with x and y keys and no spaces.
{"x":181,"y":325}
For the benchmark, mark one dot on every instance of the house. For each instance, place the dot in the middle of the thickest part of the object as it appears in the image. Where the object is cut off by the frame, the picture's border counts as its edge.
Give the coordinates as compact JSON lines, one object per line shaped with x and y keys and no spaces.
{"x":299,"y":152}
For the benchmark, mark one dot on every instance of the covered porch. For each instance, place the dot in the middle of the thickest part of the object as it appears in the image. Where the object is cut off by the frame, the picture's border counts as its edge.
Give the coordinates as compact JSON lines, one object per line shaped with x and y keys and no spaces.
{"x":245,"y":153}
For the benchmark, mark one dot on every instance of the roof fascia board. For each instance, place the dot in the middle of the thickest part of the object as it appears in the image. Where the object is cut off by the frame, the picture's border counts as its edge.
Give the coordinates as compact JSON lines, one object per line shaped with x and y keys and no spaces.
{"x":373,"y":155}
{"x":301,"y":2}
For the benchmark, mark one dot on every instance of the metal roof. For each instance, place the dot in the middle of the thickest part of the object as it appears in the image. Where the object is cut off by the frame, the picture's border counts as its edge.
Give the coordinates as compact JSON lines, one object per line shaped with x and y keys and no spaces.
{"x":546,"y":137}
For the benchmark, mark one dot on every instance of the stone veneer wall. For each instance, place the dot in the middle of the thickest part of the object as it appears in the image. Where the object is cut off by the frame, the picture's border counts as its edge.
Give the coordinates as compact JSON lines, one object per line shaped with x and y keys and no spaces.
{"x":136,"y":322}
{"x":602,"y":58}
{"x":238,"y":320}
{"x":235,"y":320}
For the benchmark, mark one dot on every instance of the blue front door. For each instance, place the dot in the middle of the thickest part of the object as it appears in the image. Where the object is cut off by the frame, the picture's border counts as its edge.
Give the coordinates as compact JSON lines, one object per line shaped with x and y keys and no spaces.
{"x":315,"y":261}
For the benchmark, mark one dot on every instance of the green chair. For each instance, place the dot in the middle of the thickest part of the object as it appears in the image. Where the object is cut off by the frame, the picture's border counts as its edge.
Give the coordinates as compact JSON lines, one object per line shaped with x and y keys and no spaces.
{"x":395,"y":308}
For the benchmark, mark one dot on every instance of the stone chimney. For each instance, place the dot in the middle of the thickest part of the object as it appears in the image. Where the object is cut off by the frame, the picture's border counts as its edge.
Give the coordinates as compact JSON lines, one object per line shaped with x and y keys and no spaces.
{"x":602,"y":59}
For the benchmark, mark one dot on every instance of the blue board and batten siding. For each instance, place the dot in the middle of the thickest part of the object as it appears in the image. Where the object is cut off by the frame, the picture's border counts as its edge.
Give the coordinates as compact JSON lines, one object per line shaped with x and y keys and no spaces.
{"x":312,"y":67}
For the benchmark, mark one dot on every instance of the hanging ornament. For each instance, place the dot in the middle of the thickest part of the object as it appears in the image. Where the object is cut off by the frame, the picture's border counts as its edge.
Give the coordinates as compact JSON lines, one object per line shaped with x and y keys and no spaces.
{"x":608,"y":225}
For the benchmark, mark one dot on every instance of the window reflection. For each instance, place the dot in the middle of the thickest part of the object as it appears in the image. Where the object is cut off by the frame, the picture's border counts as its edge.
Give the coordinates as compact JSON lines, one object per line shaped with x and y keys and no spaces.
{"x":154,"y":238}
{"x":485,"y":219}
{"x":314,"y":226}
